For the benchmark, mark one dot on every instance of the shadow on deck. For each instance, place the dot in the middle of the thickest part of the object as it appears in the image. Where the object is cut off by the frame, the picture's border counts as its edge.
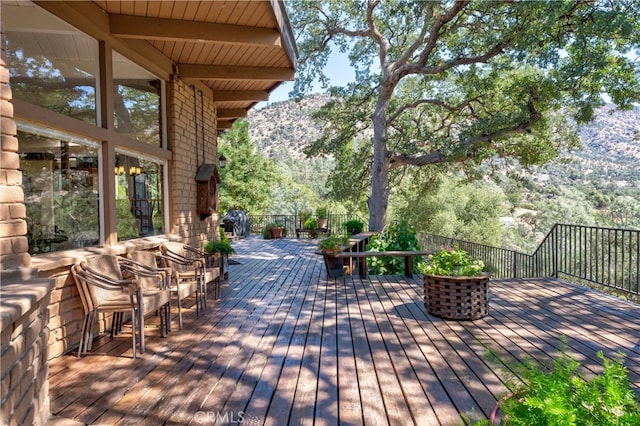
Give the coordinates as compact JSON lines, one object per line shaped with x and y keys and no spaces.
{"x":286,"y":345}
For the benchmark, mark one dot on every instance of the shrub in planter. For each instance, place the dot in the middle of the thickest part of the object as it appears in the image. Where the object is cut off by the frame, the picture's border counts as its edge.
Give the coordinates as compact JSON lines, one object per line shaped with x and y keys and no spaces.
{"x":222,"y":247}
{"x":332,"y":244}
{"x":267,"y":232}
{"x":353,"y":226}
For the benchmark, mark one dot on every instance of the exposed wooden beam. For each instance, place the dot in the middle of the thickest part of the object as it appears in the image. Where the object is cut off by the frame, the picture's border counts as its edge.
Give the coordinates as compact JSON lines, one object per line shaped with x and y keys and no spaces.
{"x":231,"y":113}
{"x":240,"y":95}
{"x":224,"y":124}
{"x":140,"y":27}
{"x":216,"y":72}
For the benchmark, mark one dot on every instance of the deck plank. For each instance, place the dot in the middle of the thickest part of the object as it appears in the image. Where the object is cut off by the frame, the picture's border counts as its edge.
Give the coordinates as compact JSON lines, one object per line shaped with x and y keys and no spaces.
{"x":286,"y":345}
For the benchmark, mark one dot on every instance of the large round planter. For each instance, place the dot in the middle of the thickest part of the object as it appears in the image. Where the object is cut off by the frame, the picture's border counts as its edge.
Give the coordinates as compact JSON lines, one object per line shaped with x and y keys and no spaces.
{"x":457,"y":298}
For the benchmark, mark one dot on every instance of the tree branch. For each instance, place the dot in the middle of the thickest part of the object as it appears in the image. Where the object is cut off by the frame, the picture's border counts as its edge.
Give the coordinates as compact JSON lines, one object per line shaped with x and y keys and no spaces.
{"x":399,"y":160}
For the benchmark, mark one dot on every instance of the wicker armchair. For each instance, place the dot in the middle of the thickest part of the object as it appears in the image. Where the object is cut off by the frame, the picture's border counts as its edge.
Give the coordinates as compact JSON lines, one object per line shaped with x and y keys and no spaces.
{"x":179,"y":288}
{"x":109,"y":283}
{"x":189,"y":266}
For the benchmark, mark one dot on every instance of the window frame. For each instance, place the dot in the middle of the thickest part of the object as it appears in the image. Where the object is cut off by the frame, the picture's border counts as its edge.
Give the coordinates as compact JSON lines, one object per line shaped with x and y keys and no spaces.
{"x":104,"y":133}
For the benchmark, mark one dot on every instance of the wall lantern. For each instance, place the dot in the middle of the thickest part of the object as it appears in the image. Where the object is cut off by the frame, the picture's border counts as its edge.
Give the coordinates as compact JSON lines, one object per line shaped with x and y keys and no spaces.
{"x":222,"y":161}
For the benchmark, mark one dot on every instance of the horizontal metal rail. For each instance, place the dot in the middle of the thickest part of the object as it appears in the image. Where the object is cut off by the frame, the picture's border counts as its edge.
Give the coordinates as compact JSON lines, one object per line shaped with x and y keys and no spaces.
{"x":601,"y":257}
{"x":290,"y":222}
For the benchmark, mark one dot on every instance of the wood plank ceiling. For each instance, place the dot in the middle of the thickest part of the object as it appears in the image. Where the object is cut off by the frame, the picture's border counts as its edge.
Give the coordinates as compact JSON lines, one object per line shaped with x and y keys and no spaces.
{"x":241,"y":50}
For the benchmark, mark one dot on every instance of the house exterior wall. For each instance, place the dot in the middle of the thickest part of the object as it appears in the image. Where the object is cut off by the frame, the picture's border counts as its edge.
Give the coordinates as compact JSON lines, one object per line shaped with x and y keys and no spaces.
{"x":193,"y":141}
{"x":24,"y":300}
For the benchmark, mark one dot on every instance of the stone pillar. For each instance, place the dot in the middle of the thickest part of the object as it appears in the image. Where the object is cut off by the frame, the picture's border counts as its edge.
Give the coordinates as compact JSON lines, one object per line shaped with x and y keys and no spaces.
{"x":15,"y":260}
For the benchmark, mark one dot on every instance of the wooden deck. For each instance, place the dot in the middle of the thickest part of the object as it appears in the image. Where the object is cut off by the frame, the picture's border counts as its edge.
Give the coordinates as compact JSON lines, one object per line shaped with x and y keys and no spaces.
{"x":286,"y":345}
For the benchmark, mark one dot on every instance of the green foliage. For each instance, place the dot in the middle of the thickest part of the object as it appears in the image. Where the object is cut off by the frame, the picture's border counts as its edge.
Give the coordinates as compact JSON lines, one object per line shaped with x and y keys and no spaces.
{"x":560,"y":395}
{"x":322,"y":212}
{"x":461,"y":83}
{"x":222,"y":247}
{"x":456,"y":208}
{"x":353,"y":226}
{"x":248,"y":179}
{"x":332,"y":243}
{"x":311,"y":223}
{"x":397,"y":236}
{"x":452,"y":261}
{"x":305,"y":215}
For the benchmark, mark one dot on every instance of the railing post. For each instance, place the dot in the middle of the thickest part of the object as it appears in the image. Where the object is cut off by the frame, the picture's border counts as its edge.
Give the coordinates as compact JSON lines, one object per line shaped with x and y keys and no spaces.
{"x":515,"y":264}
{"x":555,"y":250}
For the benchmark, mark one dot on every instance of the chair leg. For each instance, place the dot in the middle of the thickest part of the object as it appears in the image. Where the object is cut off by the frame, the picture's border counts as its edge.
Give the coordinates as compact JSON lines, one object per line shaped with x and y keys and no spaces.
{"x":179,"y":312}
{"x":83,"y":334}
{"x":133,"y":331}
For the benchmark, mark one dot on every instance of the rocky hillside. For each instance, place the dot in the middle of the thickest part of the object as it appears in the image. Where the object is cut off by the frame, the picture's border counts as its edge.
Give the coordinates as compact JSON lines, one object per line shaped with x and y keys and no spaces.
{"x":611,"y":142}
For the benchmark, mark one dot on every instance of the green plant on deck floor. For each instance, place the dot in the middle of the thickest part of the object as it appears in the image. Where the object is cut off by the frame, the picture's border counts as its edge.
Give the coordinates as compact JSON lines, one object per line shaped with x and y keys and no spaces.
{"x":560,"y":395}
{"x":396,"y":236}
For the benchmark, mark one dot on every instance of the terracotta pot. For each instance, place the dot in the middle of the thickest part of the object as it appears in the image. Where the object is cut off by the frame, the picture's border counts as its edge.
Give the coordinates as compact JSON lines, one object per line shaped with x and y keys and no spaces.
{"x":277,"y":232}
{"x":322,"y":223}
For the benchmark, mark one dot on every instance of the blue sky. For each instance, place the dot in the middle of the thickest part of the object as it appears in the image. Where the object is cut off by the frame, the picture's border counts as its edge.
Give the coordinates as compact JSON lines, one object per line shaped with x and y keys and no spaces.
{"x":338,"y":70}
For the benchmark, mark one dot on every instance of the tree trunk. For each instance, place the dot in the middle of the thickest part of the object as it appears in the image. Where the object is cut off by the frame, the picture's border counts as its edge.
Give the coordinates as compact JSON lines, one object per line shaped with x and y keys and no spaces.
{"x":379,"y":199}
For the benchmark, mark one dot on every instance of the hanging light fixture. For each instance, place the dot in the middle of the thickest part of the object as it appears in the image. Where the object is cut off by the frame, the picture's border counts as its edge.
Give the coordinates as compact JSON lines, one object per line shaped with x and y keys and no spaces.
{"x":222,"y":161}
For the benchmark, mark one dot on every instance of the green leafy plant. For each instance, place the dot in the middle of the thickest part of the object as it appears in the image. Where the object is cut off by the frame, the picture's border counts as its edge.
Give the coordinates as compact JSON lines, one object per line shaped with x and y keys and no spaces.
{"x":353,"y":226}
{"x":311,"y":223}
{"x":222,"y":247}
{"x":452,"y":261}
{"x":332,"y":243}
{"x":322,"y":212}
{"x":560,"y":395}
{"x":397,"y":236}
{"x":305,"y":215}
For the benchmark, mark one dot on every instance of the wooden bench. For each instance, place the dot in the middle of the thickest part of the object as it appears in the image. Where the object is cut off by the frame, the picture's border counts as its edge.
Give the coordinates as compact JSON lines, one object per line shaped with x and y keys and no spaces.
{"x":356,"y":256}
{"x":312,"y":232}
{"x":362,"y":255}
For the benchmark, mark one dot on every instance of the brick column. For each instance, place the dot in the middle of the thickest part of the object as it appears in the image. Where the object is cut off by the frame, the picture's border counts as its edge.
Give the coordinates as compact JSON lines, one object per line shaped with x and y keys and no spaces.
{"x":14,"y":256}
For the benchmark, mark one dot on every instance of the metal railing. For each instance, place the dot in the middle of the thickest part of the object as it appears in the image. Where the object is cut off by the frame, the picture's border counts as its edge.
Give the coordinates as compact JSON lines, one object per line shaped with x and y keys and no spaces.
{"x":335,"y":222}
{"x":605,"y":257}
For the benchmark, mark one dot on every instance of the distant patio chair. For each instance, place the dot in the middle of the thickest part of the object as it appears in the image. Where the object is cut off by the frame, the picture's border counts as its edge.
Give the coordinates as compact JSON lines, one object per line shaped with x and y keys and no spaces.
{"x":114,"y":284}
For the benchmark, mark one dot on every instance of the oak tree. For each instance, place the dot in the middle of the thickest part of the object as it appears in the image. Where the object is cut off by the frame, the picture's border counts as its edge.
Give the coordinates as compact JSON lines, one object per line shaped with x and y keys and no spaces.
{"x":458,"y":82}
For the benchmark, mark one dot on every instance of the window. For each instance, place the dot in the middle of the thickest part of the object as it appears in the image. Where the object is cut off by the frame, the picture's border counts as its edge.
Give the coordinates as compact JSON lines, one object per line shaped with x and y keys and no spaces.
{"x":51,"y":64}
{"x":60,"y":181}
{"x":139,"y":197}
{"x":136,"y":101}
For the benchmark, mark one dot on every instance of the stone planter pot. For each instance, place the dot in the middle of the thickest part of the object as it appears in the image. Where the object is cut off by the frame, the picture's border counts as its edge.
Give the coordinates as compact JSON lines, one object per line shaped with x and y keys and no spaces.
{"x":457,"y":298}
{"x":322,"y":223}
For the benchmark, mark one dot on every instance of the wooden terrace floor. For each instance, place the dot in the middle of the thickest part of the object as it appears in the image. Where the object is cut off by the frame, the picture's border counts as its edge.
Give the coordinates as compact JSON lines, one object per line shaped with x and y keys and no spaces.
{"x":286,"y":345}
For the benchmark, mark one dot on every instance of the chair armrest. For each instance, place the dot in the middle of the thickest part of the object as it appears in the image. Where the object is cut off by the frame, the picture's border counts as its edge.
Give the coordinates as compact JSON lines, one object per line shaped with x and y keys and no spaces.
{"x":99,"y":280}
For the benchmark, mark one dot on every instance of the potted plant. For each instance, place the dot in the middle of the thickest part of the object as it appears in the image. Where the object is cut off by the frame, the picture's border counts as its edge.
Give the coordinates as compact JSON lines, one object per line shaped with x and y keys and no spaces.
{"x":353,"y":226}
{"x":331,"y":246}
{"x":220,"y":252}
{"x":304,"y":216}
{"x":322,"y":213}
{"x":456,"y":286}
{"x":277,"y":230}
